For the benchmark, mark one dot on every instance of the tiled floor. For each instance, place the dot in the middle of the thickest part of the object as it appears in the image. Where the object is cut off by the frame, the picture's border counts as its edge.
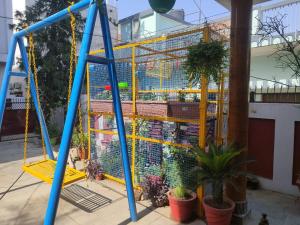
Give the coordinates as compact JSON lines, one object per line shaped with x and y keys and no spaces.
{"x":26,"y":202}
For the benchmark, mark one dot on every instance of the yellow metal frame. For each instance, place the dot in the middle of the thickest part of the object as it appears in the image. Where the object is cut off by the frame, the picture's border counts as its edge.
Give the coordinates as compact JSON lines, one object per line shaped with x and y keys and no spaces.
{"x":134,"y":113}
{"x":88,"y":109}
{"x":202,"y":126}
{"x":136,"y":137}
{"x":44,"y":170}
{"x":170,"y":54}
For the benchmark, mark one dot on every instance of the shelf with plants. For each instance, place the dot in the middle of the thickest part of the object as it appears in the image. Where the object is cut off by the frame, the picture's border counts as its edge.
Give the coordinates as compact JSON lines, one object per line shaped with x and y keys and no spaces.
{"x":151,"y":106}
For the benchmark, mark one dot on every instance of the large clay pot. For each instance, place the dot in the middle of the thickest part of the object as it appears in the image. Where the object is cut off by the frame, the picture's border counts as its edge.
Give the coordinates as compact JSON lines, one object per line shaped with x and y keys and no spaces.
{"x":216,"y":216}
{"x":182,"y":209}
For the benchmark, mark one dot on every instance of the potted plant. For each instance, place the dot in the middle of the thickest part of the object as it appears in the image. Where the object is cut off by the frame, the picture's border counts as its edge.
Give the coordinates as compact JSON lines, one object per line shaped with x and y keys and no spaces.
{"x":94,"y":170}
{"x":182,"y":203}
{"x":80,"y":143}
{"x":182,"y":108}
{"x":216,"y":167}
{"x":155,"y":189}
{"x":206,"y":59}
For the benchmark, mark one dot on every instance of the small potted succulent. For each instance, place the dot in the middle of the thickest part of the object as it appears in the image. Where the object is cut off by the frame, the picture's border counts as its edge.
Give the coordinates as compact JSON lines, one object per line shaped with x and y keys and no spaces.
{"x":182,"y":203}
{"x":155,"y":189}
{"x":217,"y":167}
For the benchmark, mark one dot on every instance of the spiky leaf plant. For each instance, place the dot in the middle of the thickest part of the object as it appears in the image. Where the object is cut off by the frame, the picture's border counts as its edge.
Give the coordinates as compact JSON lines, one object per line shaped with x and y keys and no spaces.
{"x":216,"y":167}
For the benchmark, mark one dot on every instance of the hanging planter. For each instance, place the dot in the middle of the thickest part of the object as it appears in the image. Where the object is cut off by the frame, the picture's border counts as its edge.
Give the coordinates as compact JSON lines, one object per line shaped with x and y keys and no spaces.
{"x":206,"y":59}
{"x":162,"y":6}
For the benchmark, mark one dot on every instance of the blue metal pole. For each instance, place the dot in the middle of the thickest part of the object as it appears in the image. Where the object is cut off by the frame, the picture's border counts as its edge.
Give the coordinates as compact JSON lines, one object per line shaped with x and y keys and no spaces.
{"x":35,"y":100}
{"x":117,"y":107}
{"x":54,"y":18}
{"x":70,"y":117}
{"x":6,"y":76}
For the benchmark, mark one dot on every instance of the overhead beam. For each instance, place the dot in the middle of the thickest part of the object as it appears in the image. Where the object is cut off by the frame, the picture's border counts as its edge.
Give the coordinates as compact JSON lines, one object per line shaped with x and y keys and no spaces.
{"x":227,"y":3}
{"x":54,"y":18}
{"x":156,"y":51}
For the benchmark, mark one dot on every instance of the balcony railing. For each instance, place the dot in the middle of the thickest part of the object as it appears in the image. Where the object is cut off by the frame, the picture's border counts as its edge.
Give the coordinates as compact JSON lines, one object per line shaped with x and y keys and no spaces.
{"x":290,"y":9}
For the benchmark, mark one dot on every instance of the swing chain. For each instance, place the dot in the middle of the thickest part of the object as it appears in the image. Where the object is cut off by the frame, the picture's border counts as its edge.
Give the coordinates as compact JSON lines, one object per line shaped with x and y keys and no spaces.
{"x":32,"y":63}
{"x":73,"y":63}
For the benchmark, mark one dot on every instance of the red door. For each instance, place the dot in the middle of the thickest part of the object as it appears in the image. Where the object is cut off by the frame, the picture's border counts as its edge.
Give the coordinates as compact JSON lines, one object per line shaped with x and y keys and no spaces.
{"x":14,"y":122}
{"x":261,"y":146}
{"x":296,"y":164}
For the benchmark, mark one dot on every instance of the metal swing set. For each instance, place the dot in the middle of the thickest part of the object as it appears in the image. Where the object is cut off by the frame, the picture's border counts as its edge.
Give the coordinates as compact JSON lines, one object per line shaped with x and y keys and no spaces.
{"x":57,"y":172}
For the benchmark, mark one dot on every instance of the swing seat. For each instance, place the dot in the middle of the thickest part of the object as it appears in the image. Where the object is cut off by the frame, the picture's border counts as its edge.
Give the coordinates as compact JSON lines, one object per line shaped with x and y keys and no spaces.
{"x":44,"y":170}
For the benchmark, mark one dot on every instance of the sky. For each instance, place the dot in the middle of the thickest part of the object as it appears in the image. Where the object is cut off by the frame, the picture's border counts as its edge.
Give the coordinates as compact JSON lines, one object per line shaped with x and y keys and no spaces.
{"x":209,"y":8}
{"x":129,"y":7}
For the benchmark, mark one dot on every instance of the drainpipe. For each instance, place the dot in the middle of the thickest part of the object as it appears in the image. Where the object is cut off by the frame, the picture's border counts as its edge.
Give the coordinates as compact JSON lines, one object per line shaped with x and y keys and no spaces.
{"x":241,"y":15}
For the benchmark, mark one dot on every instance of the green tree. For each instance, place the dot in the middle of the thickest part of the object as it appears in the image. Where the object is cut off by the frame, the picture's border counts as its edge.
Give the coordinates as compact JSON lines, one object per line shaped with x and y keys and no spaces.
{"x":52,"y":47}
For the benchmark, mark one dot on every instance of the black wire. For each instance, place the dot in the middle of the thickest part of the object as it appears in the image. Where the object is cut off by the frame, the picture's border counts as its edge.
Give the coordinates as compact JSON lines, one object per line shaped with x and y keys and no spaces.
{"x":274,"y":81}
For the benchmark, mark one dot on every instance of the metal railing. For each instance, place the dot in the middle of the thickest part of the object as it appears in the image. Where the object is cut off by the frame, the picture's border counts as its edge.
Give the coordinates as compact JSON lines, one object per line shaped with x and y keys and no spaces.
{"x":271,"y":91}
{"x":290,"y":9}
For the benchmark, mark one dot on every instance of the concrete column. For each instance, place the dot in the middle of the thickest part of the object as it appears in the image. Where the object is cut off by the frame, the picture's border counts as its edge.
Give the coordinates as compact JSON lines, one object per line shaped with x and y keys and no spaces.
{"x":241,"y":15}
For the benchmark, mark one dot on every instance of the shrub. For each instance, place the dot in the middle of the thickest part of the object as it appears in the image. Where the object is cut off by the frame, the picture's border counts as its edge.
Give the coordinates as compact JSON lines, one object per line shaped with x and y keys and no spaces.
{"x":155,"y":189}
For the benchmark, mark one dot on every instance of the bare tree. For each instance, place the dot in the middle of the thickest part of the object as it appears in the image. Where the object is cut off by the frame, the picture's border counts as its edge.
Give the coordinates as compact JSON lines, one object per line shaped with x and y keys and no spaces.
{"x":287,"y":53}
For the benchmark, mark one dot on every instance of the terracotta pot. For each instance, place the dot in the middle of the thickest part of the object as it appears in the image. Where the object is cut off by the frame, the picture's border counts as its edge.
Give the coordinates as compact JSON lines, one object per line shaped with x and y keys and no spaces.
{"x":187,"y":110}
{"x":182,"y":209}
{"x":82,"y":153}
{"x":216,"y":216}
{"x":99,"y":176}
{"x":152,"y":108}
{"x":145,"y":108}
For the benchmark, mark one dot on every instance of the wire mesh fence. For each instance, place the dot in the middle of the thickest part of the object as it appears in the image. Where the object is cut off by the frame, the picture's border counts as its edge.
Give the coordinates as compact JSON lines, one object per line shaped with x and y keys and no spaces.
{"x":161,"y":109}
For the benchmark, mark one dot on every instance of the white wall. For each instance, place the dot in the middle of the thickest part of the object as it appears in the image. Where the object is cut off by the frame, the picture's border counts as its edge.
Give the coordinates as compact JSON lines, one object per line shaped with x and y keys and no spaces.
{"x":148,"y":26}
{"x":165,"y":25}
{"x":5,"y":32}
{"x":266,"y":67}
{"x":285,"y":116}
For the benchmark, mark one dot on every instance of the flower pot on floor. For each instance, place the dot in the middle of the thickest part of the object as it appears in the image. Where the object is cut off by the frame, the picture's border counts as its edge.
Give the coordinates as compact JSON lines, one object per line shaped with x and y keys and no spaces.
{"x":99,"y":176}
{"x":182,"y":209}
{"x":83,"y":153}
{"x":215,"y":216}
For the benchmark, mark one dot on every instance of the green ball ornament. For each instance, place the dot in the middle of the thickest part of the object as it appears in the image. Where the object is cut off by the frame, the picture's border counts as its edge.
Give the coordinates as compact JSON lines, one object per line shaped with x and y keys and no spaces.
{"x":162,"y":6}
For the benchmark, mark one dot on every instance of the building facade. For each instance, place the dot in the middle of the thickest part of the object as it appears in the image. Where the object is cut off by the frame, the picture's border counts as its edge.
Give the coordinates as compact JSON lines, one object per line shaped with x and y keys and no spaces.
{"x":148,"y":23}
{"x":6,"y":14}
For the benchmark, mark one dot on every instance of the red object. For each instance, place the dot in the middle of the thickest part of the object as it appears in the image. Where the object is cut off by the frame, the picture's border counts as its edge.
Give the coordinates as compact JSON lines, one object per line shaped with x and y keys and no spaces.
{"x":261,"y":131}
{"x":99,"y":176}
{"x":177,"y":64}
{"x":296,"y":164}
{"x":182,"y":209}
{"x":107,"y":88}
{"x":218,"y":216}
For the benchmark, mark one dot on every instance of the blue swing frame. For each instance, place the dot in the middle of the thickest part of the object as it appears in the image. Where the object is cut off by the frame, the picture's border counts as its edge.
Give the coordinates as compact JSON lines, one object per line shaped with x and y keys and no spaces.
{"x":93,"y":6}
